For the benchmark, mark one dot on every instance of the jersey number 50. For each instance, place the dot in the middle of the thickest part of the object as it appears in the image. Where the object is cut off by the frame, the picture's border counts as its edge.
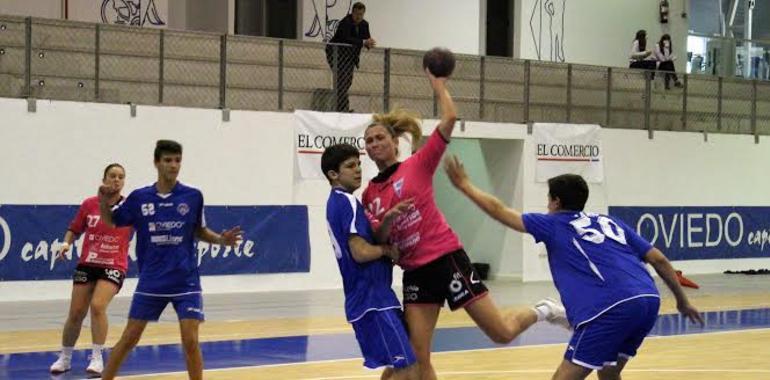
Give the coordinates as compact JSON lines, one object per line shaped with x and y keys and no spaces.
{"x":609,"y":228}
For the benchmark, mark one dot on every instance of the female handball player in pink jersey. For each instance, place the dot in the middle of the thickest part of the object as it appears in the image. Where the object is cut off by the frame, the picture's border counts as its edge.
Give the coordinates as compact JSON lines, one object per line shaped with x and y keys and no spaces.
{"x":436,"y":268}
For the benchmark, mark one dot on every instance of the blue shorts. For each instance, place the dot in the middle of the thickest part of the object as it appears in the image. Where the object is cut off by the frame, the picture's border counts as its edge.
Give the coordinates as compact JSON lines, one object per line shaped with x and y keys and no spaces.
{"x":383,"y":339}
{"x":617,"y":333}
{"x":149,"y":308}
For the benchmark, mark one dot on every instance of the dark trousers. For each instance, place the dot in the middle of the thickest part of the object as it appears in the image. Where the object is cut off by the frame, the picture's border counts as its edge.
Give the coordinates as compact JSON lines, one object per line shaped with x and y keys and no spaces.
{"x":668,"y":66}
{"x":644,"y":65}
{"x":343,"y":75}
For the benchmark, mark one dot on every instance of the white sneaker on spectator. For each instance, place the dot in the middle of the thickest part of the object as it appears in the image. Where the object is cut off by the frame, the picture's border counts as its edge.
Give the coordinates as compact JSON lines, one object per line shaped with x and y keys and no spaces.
{"x":555,"y":312}
{"x":95,"y":367}
{"x":61,"y":365}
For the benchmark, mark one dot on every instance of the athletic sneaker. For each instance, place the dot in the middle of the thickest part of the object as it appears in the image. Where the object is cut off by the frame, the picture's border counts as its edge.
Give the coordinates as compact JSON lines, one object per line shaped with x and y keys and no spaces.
{"x":556,"y":315}
{"x":61,"y":365}
{"x":95,"y":367}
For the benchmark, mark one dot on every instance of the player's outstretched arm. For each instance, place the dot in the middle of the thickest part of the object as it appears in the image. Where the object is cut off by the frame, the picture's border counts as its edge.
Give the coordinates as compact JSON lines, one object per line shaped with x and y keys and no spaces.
{"x":229,"y":237}
{"x":487,"y":202}
{"x":448,"y":109}
{"x":364,"y":252}
{"x":106,"y":192}
{"x":664,"y":269}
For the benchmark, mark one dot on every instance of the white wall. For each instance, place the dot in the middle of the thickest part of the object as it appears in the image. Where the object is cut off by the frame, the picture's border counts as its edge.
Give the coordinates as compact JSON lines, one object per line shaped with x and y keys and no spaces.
{"x":410,"y":24}
{"x":65,"y":145}
{"x":150,"y":15}
{"x":214,"y":16}
{"x":201,"y":15}
{"x":177,"y":14}
{"x":62,"y":148}
{"x":456,"y":24}
{"x":45,"y":9}
{"x":55,"y":156}
{"x":493,"y":164}
{"x":596,"y":32}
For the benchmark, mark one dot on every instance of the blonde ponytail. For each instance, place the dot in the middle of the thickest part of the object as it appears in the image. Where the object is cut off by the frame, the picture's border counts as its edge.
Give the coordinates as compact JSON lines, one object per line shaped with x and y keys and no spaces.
{"x":399,"y":122}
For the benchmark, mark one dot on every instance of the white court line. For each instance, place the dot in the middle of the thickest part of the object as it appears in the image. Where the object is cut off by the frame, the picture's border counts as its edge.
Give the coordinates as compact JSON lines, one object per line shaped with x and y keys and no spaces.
{"x":152,"y":341}
{"x":551,"y":370}
{"x":151,"y":375}
{"x":149,"y":341}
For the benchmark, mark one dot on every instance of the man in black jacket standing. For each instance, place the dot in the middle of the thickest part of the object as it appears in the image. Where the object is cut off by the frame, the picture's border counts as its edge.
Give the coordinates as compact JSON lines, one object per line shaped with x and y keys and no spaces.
{"x":353,"y":32}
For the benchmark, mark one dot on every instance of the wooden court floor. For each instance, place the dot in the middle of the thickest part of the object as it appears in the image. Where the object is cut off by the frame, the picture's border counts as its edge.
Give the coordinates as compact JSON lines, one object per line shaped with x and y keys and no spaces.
{"x":739,"y":354}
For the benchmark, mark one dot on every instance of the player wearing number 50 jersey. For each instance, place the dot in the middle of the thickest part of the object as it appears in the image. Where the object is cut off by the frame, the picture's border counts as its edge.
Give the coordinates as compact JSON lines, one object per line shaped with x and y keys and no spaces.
{"x":598,"y":265}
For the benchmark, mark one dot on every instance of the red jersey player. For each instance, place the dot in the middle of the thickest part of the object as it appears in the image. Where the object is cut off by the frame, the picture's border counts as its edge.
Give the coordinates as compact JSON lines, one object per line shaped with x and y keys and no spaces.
{"x":99,"y":274}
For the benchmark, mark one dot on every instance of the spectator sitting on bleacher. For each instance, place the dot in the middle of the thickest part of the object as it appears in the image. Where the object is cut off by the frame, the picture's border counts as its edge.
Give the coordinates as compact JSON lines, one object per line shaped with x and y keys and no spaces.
{"x":665,"y":57}
{"x":640,"y":57}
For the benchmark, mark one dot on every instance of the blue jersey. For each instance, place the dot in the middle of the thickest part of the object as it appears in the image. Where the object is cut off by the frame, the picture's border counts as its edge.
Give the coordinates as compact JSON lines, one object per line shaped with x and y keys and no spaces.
{"x":367,"y":285}
{"x":165,"y":227}
{"x":596,"y":261}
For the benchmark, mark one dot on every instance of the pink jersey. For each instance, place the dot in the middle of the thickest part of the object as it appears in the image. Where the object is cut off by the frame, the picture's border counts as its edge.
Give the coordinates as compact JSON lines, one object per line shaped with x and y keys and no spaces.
{"x":421,"y":234}
{"x":103,"y":246}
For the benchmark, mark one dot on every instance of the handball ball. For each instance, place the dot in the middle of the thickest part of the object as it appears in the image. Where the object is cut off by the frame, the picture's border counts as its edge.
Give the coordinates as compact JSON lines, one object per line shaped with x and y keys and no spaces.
{"x":440,"y":61}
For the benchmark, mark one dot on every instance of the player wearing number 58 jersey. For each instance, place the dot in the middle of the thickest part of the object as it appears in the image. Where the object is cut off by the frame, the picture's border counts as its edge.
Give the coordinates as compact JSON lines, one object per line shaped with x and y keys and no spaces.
{"x":168,"y":217}
{"x":598,"y":266}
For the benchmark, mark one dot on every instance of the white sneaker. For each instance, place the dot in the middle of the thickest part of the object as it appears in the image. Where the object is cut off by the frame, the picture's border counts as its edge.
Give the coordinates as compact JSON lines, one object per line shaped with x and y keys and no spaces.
{"x":95,"y":367}
{"x":61,"y":365}
{"x":557,"y":315}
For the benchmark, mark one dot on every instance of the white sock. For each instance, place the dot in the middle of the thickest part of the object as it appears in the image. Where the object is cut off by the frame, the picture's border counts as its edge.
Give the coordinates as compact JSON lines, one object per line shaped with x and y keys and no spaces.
{"x":66,"y":352}
{"x":96,"y":351}
{"x":542,"y":311}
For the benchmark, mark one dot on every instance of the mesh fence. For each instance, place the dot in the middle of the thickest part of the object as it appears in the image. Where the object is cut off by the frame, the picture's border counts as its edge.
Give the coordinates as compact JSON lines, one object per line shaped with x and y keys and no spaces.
{"x":627,"y":102}
{"x":191,"y":69}
{"x":666,"y":104}
{"x":90,"y":62}
{"x":588,"y":96}
{"x":367,"y":90}
{"x":63,"y":65}
{"x":252,"y":73}
{"x":736,"y":106}
{"x":503,"y":90}
{"x":703,"y":104}
{"x":409,"y":88}
{"x":763,"y":108}
{"x":547,"y":92}
{"x":12,"y":49}
{"x":129,"y":65}
{"x":308,"y":79}
{"x":465,"y":86}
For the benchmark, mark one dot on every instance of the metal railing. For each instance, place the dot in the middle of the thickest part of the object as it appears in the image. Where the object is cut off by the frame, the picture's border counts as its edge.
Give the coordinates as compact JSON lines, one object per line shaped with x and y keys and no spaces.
{"x":65,"y":60}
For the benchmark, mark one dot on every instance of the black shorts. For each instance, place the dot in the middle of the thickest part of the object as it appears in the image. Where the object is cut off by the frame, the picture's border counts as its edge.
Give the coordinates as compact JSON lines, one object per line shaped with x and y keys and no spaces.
{"x":450,"y":278}
{"x":85,"y":274}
